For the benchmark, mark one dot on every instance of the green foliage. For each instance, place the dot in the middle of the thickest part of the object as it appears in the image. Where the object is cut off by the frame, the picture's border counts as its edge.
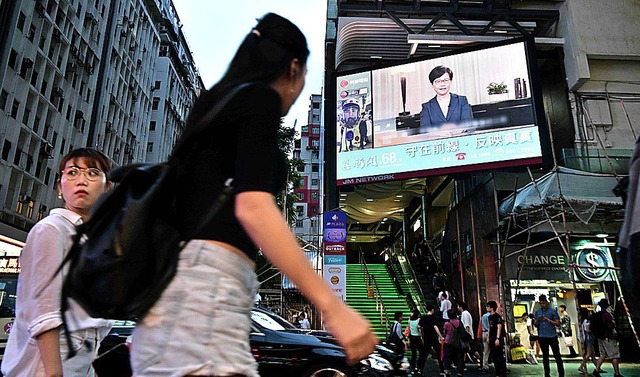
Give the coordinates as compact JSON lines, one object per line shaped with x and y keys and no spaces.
{"x":495,"y":88}
{"x":286,"y":200}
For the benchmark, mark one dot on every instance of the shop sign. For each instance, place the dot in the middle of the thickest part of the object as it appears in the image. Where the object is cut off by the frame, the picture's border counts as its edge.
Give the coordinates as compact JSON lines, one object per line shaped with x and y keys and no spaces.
{"x":335,"y":252}
{"x":9,"y":265}
{"x":538,"y":263}
{"x":590,"y":260}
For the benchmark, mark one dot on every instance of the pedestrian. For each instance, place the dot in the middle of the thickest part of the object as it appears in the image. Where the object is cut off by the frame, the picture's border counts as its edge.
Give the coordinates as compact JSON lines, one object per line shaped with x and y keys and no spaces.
{"x":453,"y":354}
{"x":486,"y":350}
{"x":588,"y":341}
{"x":445,"y":305}
{"x":304,"y":322}
{"x":215,"y":282}
{"x":533,"y":336}
{"x":396,"y":337}
{"x":37,"y":345}
{"x":496,"y":339}
{"x":547,"y":319}
{"x":603,"y":327}
{"x":431,"y":336}
{"x":467,"y":322}
{"x":415,"y":342}
{"x":565,"y":330}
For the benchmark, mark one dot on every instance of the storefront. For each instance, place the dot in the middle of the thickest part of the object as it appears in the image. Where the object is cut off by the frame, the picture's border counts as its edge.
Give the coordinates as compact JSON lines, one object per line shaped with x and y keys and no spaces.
{"x":578,"y":282}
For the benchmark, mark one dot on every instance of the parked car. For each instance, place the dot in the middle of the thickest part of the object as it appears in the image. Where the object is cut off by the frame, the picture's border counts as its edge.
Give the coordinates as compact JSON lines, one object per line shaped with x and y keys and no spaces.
{"x":281,"y":349}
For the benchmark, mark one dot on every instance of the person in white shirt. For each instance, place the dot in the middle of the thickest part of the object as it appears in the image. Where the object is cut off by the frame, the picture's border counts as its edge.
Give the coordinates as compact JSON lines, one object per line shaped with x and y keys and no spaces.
{"x":304,"y":322}
{"x":467,"y":322}
{"x":36,"y":345}
{"x":445,"y":305}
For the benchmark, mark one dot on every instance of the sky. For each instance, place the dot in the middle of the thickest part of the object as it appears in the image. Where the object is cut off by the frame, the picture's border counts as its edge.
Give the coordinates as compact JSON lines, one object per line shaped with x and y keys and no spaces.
{"x":215,"y":29}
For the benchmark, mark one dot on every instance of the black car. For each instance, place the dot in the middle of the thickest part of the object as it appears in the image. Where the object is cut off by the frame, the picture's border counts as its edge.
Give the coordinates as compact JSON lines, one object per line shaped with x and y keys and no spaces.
{"x":281,"y":349}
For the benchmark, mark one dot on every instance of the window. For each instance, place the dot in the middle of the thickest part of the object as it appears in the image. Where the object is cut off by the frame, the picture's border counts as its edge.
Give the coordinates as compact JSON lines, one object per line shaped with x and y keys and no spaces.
{"x":299,"y":210}
{"x":314,"y":195}
{"x":315,"y":130}
{"x":6,"y":149}
{"x":157,"y":85}
{"x":315,"y":168}
{"x":150,"y":147}
{"x":32,"y":33}
{"x":4,"y":96}
{"x":15,"y":108}
{"x":25,"y":116}
{"x":156,"y":102}
{"x":299,"y":223}
{"x":315,"y":144}
{"x":314,"y":210}
{"x":152,"y":125}
{"x":301,"y":196}
{"x":315,"y":155}
{"x":301,"y":168}
{"x":13,"y":59}
{"x":316,"y":105}
{"x":21,"y":19}
{"x":164,"y":50}
{"x":315,"y":182}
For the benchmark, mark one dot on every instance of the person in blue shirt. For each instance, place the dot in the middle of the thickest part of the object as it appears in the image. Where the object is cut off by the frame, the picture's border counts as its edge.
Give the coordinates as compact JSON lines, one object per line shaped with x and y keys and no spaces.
{"x":546,"y":320}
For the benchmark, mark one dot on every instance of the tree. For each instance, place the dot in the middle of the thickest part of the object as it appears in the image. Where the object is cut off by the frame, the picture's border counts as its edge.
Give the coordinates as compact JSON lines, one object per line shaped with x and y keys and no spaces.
{"x":287,"y":199}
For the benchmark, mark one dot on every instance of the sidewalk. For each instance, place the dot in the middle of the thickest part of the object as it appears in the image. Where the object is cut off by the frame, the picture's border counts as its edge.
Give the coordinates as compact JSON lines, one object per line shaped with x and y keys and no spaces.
{"x":526,"y":370}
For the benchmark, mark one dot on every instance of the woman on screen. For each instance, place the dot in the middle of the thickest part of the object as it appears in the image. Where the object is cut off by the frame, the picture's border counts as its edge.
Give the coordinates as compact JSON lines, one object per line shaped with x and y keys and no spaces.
{"x":445,"y":107}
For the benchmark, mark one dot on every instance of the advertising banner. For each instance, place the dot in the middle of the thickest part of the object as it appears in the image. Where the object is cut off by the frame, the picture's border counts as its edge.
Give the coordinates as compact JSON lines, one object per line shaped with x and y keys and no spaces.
{"x":334,"y":246}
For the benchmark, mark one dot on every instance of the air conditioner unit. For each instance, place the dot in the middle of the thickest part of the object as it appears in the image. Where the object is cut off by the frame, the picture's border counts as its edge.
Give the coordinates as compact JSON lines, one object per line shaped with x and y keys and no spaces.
{"x":25,"y":199}
{"x":46,"y":149}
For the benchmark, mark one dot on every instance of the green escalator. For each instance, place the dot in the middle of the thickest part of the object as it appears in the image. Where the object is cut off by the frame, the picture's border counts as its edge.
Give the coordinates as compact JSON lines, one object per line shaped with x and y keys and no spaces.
{"x":358,"y":299}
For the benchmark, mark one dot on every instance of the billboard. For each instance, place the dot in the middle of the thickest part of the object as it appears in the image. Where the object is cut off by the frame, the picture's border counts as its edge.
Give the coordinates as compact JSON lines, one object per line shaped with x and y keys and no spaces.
{"x":474,"y":110}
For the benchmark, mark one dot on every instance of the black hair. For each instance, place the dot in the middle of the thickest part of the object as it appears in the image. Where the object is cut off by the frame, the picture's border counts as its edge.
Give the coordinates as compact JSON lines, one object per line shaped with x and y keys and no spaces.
{"x":397,"y":315}
{"x":452,"y":314}
{"x":439,"y":71}
{"x":92,"y":157}
{"x":564,"y":307}
{"x":493,"y":305}
{"x":415,"y":315}
{"x":463,"y":305}
{"x":264,"y":55}
{"x":430,"y":307}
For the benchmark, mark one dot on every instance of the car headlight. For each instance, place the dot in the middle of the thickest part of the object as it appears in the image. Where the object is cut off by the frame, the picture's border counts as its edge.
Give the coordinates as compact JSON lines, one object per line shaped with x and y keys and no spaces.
{"x":378,"y":363}
{"x":404,"y":365}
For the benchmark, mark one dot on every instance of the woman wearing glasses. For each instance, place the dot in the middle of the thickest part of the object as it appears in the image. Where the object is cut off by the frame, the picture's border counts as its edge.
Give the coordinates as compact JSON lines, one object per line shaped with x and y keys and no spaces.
{"x":445,"y":107}
{"x":36,"y":346}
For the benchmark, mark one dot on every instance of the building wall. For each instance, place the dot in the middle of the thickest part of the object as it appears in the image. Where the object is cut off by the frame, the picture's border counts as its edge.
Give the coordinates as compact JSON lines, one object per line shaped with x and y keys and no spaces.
{"x":78,"y":73}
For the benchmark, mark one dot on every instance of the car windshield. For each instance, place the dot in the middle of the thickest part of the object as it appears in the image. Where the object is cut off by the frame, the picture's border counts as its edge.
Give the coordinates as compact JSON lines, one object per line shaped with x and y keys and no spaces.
{"x":266,"y":321}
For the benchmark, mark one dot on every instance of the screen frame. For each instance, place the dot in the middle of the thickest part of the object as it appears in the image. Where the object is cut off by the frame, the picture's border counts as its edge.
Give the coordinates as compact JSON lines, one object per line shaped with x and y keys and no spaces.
{"x":535,"y":88}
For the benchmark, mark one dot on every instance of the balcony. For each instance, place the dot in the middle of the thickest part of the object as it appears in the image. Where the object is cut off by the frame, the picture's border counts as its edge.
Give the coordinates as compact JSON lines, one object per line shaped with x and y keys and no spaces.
{"x":595,"y":160}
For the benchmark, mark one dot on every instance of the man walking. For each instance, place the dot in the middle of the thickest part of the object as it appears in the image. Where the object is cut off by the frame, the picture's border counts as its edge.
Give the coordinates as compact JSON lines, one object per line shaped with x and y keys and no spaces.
{"x":546,"y":320}
{"x":445,"y":305}
{"x":431,"y":335}
{"x":484,"y":322}
{"x":467,"y":322}
{"x":496,"y":339}
{"x":603,"y":327}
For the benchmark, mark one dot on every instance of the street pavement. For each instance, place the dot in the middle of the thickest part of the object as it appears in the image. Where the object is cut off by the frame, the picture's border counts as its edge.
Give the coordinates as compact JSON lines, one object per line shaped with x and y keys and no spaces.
{"x":527,"y":370}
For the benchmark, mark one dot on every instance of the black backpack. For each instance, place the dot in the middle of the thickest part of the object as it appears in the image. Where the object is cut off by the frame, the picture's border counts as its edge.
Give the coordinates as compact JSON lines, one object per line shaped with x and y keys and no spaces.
{"x":460,"y":338}
{"x":125,"y":255}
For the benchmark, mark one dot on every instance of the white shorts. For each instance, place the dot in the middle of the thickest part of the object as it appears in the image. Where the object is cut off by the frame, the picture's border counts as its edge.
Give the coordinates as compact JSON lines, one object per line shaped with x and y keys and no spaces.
{"x":200,"y":326}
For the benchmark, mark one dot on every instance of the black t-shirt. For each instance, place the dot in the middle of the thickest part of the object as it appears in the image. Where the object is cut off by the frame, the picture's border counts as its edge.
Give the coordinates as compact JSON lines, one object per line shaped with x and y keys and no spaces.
{"x":494,"y":321}
{"x":427,"y":322}
{"x":241,"y":143}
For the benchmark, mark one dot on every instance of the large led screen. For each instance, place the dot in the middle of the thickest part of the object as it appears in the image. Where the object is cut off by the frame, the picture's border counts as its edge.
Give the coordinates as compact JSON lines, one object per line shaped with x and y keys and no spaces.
{"x":470,"y":111}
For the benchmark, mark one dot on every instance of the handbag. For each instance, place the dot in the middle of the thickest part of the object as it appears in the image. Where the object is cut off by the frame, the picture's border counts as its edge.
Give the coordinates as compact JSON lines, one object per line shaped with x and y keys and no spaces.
{"x":125,"y":255}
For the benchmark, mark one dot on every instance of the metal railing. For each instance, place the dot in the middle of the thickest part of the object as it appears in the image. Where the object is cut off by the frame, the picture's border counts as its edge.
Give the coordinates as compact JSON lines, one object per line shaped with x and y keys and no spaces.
{"x":374,"y":290}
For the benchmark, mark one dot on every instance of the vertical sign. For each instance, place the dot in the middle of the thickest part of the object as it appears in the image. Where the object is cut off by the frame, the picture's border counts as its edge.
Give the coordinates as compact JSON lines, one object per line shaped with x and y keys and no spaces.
{"x":334,"y":246}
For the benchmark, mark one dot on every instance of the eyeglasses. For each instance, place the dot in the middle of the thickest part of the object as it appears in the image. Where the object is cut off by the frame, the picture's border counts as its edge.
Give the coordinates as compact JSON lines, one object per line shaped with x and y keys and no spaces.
{"x":72,"y":173}
{"x":443,"y":81}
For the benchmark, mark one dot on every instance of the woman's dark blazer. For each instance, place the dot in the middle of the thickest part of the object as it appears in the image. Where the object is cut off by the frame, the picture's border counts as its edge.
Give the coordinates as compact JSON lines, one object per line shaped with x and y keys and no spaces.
{"x":459,"y":110}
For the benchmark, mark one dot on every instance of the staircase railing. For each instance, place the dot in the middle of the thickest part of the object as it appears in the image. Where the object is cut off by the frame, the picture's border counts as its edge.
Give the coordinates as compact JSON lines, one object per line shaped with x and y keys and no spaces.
{"x":374,"y":290}
{"x":415,"y":297}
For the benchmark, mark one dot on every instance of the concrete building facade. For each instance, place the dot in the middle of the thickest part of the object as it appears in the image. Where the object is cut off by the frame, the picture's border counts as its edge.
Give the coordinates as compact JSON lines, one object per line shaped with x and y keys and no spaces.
{"x":84,"y":73}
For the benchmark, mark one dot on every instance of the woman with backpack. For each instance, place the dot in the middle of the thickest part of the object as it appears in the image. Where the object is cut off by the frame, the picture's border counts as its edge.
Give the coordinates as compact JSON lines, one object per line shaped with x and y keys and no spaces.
{"x":37,"y":345}
{"x":453,"y":345}
{"x":215,"y":284}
